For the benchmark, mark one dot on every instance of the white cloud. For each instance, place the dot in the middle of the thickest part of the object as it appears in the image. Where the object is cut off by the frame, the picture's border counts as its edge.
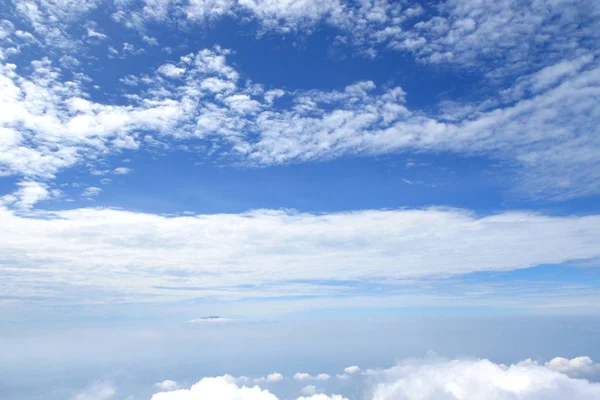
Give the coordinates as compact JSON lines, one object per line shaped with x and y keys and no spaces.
{"x":167,"y":385}
{"x":152,"y":41}
{"x":302,"y":376}
{"x":352,"y":369}
{"x":308,"y":390}
{"x":478,"y":379}
{"x":274,"y":377}
{"x":91,"y":33}
{"x":171,"y":71}
{"x":51,"y":18}
{"x":576,"y":366}
{"x":122,"y":170}
{"x":225,"y":388}
{"x":219,"y":388}
{"x":271,"y":378}
{"x":544,"y":125}
{"x":101,"y":390}
{"x":91,"y":191}
{"x":27,"y":195}
{"x":213,"y":253}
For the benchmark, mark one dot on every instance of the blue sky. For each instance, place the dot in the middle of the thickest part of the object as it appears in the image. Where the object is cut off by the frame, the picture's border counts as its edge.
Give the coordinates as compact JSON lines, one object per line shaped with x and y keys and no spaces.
{"x":280,"y":163}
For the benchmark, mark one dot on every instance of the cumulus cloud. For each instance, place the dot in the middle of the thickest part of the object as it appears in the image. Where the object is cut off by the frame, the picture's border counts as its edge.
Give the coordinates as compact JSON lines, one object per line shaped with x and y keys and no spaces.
{"x":271,"y":378}
{"x":302,"y":376}
{"x":242,"y":254}
{"x":171,"y":70}
{"x":219,"y":388}
{"x":478,"y":379}
{"x":431,"y":379}
{"x":353,"y":369}
{"x":576,"y":366}
{"x":27,"y":195}
{"x":224,"y":388}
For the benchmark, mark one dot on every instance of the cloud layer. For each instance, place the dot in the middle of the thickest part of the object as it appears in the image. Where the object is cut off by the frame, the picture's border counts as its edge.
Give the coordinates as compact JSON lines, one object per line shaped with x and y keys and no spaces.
{"x":146,"y":256}
{"x":544,"y":125}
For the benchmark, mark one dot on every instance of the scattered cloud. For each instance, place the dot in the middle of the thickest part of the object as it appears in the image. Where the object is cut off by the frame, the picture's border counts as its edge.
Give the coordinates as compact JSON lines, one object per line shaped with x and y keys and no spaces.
{"x":91,"y":191}
{"x":543,"y":126}
{"x":171,"y":71}
{"x":27,"y":195}
{"x":353,"y":369}
{"x":122,"y":170}
{"x":302,"y":376}
{"x":308,"y":390}
{"x":429,"y":379}
{"x":271,"y":378}
{"x":167,"y":385}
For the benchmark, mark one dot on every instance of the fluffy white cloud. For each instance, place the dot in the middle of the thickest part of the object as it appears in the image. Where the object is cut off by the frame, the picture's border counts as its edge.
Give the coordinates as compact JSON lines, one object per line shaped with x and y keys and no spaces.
{"x":478,"y":379}
{"x":171,"y":70}
{"x":139,"y":255}
{"x":224,"y":388}
{"x":274,"y":377}
{"x":302,"y":376}
{"x":27,"y":195}
{"x":167,"y":385}
{"x":353,"y":369}
{"x":220,"y":388}
{"x":122,"y":170}
{"x":576,"y":366}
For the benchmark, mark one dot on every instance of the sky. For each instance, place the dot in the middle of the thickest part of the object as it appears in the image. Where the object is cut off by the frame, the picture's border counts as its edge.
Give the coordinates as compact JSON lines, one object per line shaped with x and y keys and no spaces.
{"x":262,"y":199}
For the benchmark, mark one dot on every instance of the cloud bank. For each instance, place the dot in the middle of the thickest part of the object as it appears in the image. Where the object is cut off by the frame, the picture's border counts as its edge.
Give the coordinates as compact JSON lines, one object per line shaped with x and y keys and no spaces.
{"x":479,"y":379}
{"x":223,"y":388}
{"x":139,"y":257}
{"x":428,"y":379}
